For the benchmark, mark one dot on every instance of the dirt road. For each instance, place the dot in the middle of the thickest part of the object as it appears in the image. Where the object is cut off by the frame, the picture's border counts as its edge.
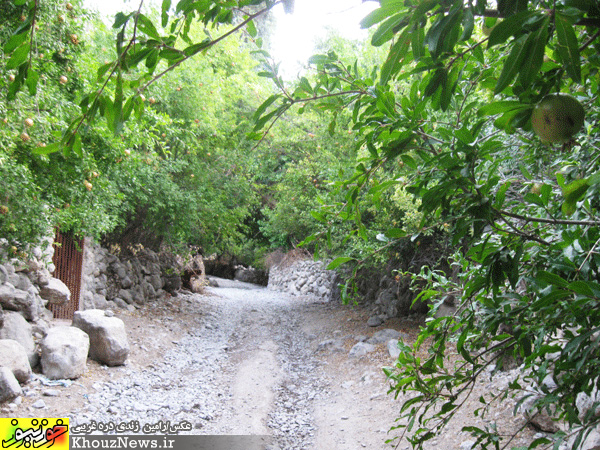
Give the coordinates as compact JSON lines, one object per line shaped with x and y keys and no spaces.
{"x":242,"y":360}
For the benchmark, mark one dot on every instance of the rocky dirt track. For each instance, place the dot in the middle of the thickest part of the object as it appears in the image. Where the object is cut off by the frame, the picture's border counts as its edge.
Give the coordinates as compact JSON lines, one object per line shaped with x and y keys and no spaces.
{"x":244,"y":360}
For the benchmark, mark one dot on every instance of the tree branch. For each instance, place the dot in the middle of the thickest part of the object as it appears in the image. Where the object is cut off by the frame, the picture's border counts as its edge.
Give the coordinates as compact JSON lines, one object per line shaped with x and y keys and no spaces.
{"x":208,"y":45}
{"x":550,"y":221}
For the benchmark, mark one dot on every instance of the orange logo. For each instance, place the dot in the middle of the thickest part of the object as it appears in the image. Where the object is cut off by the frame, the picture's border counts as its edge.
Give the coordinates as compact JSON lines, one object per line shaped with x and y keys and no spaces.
{"x":34,"y":433}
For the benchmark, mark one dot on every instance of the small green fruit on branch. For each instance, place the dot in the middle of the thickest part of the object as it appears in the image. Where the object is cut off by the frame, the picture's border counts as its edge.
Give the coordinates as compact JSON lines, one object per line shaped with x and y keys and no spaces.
{"x":557,"y":118}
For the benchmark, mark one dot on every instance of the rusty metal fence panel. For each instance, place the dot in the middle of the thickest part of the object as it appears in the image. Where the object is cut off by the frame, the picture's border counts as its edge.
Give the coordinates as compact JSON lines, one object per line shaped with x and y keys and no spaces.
{"x":68,"y":260}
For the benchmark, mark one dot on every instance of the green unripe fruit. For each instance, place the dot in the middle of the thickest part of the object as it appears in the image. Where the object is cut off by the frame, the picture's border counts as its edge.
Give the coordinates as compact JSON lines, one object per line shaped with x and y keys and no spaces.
{"x":557,"y":118}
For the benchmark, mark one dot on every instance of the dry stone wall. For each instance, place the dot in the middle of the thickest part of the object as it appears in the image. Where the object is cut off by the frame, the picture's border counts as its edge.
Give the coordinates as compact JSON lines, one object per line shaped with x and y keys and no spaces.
{"x":306,"y":278}
{"x":110,"y":282}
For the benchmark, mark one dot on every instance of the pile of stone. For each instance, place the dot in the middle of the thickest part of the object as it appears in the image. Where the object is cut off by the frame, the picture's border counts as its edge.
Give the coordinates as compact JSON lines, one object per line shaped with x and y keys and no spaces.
{"x":25,"y":290}
{"x":28,"y":342}
{"x":305,"y":278}
{"x":63,"y":351}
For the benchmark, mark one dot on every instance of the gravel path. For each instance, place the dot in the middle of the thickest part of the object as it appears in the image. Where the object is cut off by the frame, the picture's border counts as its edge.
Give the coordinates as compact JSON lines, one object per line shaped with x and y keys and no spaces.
{"x":242,"y":360}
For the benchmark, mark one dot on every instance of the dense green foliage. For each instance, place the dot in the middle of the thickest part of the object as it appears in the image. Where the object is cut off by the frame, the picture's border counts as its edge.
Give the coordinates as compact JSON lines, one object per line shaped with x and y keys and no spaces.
{"x":185,"y":132}
{"x":183,"y":173}
{"x":448,"y":117}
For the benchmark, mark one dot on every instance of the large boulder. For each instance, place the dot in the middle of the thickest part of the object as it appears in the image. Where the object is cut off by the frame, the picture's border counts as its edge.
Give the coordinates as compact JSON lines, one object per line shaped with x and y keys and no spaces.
{"x":108,"y":339}
{"x":56,"y":292}
{"x":14,"y":357}
{"x":9,"y":386}
{"x":17,"y":328}
{"x":64,"y":352}
{"x":25,"y":302}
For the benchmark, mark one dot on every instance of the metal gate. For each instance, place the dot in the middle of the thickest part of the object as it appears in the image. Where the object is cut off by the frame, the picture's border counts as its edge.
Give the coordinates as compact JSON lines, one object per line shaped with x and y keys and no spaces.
{"x":68,"y":260}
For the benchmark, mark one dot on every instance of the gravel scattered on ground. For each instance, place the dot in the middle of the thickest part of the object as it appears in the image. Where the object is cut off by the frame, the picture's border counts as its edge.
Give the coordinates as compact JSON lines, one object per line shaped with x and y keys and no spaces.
{"x":244,"y":360}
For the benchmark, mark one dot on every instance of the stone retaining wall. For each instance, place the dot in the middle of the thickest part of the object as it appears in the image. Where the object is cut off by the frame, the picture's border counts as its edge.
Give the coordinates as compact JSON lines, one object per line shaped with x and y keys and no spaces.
{"x":109,"y":281}
{"x":305,"y":277}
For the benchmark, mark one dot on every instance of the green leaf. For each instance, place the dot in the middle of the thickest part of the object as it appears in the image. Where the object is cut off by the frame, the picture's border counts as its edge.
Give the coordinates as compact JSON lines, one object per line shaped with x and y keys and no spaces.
{"x":499,"y":107}
{"x":568,"y":47}
{"x":121,"y":19}
{"x":438,"y":79}
{"x":436,"y":37}
{"x":251,"y":28}
{"x":464,"y":135}
{"x":76,"y":146}
{"x":510,"y":26}
{"x":320,"y":59}
{"x":262,"y":108}
{"x":147,"y":27}
{"x":331,"y":128}
{"x":573,"y":193}
{"x":339,"y":261}
{"x":468,"y":24}
{"x":52,"y":148}
{"x":535,"y":57}
{"x":195,"y":48}
{"x":510,"y":7}
{"x":575,"y":190}
{"x":264,"y":119}
{"x":395,"y":233}
{"x":166,"y":5}
{"x":152,"y":59}
{"x":171,"y":55}
{"x":19,"y":56}
{"x":103,"y":69}
{"x":377,"y":16}
{"x":513,"y":63}
{"x":501,"y":194}
{"x":14,"y":87}
{"x":533,"y":198}
{"x":128,"y":108}
{"x":550,"y":278}
{"x":117,"y":108}
{"x":133,"y":59}
{"x":409,"y":161}
{"x":417,"y":42}
{"x":393,"y":62}
{"x":387,"y":29}
{"x":15,"y":41}
{"x":582,"y":288}
{"x":32,"y":81}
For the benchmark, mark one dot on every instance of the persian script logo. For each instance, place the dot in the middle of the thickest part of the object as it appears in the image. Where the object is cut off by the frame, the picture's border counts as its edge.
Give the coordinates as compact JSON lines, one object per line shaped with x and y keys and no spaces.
{"x":35,"y":433}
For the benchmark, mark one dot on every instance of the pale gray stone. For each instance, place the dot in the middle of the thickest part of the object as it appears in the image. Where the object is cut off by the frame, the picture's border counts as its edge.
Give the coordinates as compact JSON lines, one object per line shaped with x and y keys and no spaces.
{"x":393,"y":350}
{"x":64,"y":353}
{"x":108,"y":339}
{"x":56,"y":292}
{"x":21,"y":281}
{"x":17,"y":328}
{"x":9,"y":386}
{"x":156,"y":281}
{"x":3,"y":274}
{"x":126,"y":296}
{"x":382,"y":336}
{"x":585,"y":403}
{"x":26,"y":303}
{"x":361,"y":349}
{"x":51,"y":393}
{"x":14,"y":357}
{"x":40,"y":404}
{"x":375,"y":321}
